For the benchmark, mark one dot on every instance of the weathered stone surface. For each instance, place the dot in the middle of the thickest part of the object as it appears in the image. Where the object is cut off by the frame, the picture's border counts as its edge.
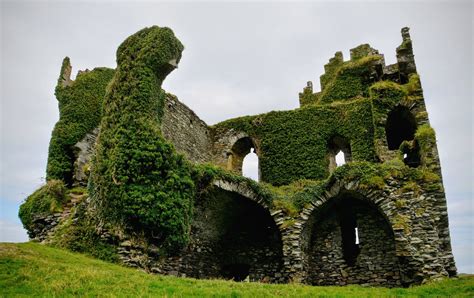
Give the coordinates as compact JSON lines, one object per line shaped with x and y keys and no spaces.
{"x":83,"y":152}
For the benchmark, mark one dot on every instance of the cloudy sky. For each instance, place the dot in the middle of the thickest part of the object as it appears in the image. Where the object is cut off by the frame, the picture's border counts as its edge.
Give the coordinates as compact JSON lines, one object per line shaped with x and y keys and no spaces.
{"x":240,"y":58}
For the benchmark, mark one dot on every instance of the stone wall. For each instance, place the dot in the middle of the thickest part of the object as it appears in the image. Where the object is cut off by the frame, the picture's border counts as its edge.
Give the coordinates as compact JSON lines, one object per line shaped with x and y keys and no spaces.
{"x":232,"y":237}
{"x":189,"y":134}
{"x":375,"y":260}
{"x":83,"y":154}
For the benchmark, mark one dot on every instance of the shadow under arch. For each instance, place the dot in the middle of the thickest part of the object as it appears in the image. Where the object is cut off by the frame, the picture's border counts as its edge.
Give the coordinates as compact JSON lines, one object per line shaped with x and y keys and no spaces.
{"x":241,"y":238}
{"x":332,"y":254}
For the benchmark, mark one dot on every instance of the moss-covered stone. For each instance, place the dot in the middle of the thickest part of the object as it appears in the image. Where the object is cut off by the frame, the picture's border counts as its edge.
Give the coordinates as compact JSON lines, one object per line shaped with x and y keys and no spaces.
{"x":80,"y":111}
{"x":48,"y":199}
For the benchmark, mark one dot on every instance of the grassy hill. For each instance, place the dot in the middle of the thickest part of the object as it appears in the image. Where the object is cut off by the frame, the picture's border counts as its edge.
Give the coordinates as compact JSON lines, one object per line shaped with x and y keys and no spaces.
{"x":31,"y":269}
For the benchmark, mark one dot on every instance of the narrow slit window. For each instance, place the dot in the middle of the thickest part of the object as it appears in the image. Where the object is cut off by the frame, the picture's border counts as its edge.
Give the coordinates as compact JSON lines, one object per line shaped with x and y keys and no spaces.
{"x":356,"y":236}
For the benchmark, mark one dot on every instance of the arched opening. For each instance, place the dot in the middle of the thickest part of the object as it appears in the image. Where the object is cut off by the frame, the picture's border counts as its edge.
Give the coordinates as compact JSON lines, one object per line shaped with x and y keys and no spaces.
{"x":340,"y":159}
{"x":243,"y":158}
{"x":401,"y":126}
{"x":239,"y":237}
{"x":250,"y":166}
{"x":351,"y":242}
{"x":339,"y":152}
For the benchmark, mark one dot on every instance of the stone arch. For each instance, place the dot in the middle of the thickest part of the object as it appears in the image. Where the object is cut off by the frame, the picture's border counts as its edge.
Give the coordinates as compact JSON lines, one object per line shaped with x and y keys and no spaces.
{"x":239,"y":150}
{"x":322,"y":215}
{"x":240,"y":234}
{"x":336,"y":144}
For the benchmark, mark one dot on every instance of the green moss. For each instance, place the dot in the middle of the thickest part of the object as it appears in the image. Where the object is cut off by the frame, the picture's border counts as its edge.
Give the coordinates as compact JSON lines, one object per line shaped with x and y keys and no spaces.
{"x":80,"y":111}
{"x":375,"y":182}
{"x":430,"y":177}
{"x":78,"y":190}
{"x":414,"y":85}
{"x":402,"y":222}
{"x":420,"y":211}
{"x":286,"y":206}
{"x":48,"y":199}
{"x":287,"y":223}
{"x":351,"y":80}
{"x":401,"y":203}
{"x":411,"y":186}
{"x":386,"y":90}
{"x":138,"y":179}
{"x":294,"y":144}
{"x":205,"y":174}
{"x":426,"y":138}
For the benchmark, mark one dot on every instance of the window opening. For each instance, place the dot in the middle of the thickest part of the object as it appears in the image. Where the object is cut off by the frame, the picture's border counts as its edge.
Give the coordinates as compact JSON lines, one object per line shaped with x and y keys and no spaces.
{"x":340,"y":159}
{"x":250,"y":165}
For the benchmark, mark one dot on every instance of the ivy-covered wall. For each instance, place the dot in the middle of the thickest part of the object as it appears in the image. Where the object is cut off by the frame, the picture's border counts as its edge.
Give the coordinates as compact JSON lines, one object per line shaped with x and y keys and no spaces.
{"x":138,"y":181}
{"x":80,"y":111}
{"x":293,"y":145}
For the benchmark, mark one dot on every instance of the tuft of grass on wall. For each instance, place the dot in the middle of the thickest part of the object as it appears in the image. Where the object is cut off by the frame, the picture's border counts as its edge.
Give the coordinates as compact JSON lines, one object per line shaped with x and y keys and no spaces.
{"x":48,"y":199}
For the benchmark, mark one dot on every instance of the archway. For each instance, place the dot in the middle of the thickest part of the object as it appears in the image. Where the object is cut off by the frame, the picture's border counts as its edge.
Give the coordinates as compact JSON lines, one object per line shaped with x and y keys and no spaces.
{"x":244,"y":150}
{"x":351,"y":242}
{"x":250,"y":166}
{"x":242,"y":239}
{"x":339,"y":152}
{"x":400,"y":126}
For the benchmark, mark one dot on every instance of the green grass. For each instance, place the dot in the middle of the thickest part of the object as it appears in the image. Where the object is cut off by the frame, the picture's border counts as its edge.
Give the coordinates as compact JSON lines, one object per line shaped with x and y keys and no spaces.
{"x":31,"y":269}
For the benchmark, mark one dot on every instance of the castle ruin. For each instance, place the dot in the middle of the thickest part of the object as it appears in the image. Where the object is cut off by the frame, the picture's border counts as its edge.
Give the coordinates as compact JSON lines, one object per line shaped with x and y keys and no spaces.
{"x":379,"y":219}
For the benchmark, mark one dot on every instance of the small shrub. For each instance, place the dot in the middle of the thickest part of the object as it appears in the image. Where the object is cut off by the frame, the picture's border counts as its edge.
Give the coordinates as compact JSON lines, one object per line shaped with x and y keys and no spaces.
{"x":48,"y":199}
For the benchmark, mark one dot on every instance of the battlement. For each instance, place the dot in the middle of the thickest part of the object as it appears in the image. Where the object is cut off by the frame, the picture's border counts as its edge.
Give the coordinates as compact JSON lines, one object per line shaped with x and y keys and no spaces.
{"x":367,"y":65}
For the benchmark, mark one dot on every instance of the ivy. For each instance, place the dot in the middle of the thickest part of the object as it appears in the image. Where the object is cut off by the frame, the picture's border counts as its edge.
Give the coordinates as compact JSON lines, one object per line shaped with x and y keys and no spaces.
{"x":294,"y":144}
{"x":138,"y":179}
{"x":80,"y":109}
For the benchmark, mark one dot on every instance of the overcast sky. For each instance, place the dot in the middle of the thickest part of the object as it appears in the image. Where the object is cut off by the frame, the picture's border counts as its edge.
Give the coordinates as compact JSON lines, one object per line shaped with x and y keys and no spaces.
{"x":240,"y":58}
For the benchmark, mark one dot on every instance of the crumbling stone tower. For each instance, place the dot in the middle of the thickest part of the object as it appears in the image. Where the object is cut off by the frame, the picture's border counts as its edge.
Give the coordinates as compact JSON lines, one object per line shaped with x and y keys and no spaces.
{"x":379,"y":219}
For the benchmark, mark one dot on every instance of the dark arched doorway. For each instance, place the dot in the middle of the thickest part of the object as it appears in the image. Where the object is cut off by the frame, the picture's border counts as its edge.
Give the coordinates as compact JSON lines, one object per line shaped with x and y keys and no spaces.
{"x":241,"y":237}
{"x":351,"y":242}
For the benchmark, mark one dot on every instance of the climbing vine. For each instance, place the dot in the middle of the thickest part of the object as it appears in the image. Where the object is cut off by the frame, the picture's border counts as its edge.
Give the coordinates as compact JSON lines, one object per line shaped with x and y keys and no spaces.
{"x":137,"y":178}
{"x":80,"y":111}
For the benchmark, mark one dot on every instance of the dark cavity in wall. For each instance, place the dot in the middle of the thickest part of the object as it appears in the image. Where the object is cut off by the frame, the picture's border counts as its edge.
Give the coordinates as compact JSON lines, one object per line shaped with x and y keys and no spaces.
{"x":401,"y":126}
{"x":335,"y":257}
{"x":243,"y":236}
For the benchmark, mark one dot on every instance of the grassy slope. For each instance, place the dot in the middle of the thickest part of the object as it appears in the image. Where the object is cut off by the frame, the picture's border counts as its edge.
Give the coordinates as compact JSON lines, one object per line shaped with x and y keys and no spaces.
{"x":30,"y":269}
